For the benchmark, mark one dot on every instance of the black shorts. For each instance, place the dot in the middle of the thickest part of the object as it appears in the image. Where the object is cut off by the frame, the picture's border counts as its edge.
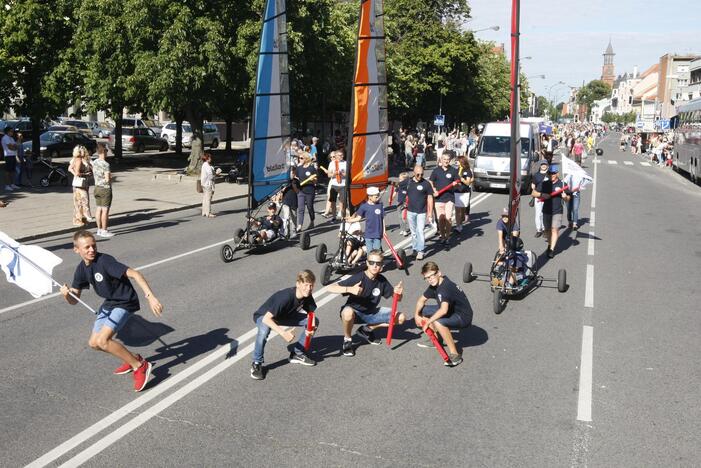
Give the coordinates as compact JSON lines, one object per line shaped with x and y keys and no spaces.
{"x":10,"y":163}
{"x":335,"y":192}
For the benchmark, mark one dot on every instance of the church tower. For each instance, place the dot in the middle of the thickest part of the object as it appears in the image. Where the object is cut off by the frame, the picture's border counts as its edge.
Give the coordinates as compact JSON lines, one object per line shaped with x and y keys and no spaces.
{"x":607,"y":72}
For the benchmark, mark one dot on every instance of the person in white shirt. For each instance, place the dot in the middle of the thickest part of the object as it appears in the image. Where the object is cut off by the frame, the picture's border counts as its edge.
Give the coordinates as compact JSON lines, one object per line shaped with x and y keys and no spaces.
{"x":207,"y":175}
{"x":9,"y":147}
{"x":337,"y":182}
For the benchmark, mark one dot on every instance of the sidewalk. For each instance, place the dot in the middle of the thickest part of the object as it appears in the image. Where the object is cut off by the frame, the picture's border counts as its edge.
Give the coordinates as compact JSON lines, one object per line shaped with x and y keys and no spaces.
{"x":139,"y":193}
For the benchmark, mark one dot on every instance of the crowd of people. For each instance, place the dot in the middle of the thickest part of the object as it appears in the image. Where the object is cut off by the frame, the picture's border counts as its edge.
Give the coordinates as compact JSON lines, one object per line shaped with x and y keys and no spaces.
{"x":657,"y":147}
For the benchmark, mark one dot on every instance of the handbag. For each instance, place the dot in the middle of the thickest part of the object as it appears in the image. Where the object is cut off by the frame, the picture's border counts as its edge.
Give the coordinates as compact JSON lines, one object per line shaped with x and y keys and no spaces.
{"x":198,"y":186}
{"x":79,"y":182}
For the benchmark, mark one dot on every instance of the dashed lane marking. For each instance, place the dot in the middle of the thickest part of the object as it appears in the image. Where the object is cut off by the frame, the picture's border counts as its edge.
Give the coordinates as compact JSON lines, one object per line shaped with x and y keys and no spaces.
{"x":644,"y":163}
{"x":611,"y":161}
{"x":589,"y":288}
{"x":585,"y":375}
{"x":628,"y":163}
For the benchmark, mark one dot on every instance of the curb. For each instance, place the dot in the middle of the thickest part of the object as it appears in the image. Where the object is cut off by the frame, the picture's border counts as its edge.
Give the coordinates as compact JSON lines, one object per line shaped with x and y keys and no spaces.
{"x":126,"y":219}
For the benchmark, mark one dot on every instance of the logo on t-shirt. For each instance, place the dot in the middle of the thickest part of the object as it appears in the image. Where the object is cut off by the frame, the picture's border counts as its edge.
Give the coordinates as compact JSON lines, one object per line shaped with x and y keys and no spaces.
{"x":307,"y":173}
{"x":440,"y":297}
{"x":376,"y":292}
{"x":449,"y":175}
{"x":419,"y":187}
{"x":377,"y":211}
{"x":98,"y":277}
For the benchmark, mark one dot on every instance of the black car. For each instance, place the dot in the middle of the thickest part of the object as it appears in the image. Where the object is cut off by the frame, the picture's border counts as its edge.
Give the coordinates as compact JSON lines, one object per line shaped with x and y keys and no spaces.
{"x":58,"y":144}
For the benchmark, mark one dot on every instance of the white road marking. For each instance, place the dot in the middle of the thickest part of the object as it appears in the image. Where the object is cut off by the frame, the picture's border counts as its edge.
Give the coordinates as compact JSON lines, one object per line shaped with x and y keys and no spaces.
{"x":592,"y":219}
{"x":585,"y":375}
{"x":589,"y":288}
{"x":611,"y":161}
{"x":590,"y":243}
{"x":596,"y":161}
{"x":113,"y":437}
{"x":628,"y":163}
{"x":644,"y":163}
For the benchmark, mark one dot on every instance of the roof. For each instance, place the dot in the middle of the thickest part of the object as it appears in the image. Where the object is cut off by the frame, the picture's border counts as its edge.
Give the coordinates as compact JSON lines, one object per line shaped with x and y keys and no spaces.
{"x":609,"y":49}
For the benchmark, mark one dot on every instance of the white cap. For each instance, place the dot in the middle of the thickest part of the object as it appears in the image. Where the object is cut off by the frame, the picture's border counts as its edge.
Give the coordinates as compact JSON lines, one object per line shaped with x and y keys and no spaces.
{"x":373,"y":191}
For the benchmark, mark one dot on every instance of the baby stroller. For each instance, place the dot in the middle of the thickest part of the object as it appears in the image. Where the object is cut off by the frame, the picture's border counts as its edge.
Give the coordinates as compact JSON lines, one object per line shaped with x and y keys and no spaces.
{"x":56,"y":173}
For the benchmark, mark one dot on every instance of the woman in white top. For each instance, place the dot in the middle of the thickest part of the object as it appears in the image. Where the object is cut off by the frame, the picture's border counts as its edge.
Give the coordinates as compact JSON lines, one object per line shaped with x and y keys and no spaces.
{"x":207,"y":180}
{"x":81,"y":169}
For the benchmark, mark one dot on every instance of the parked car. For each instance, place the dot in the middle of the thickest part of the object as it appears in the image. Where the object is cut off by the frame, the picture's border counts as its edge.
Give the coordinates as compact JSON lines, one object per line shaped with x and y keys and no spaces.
{"x":24,"y":126}
{"x":59,"y":144}
{"x":141,"y":123}
{"x":102,"y":129}
{"x":62,"y":128}
{"x":82,"y":125}
{"x":139,"y":139}
{"x":210,"y":134}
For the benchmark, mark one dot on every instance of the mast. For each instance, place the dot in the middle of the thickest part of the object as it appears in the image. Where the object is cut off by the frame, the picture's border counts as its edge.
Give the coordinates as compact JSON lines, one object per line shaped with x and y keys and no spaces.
{"x":515,"y":163}
{"x":367,"y":156}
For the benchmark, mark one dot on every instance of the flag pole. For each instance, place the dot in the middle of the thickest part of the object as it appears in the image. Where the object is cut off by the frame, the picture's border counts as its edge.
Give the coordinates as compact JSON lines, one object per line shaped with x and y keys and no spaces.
{"x":45,"y":273}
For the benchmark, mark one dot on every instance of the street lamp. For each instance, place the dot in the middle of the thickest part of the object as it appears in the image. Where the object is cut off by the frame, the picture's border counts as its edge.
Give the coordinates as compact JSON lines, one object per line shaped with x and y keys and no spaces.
{"x":542,"y":77}
{"x":550,"y":89}
{"x":493,"y":28}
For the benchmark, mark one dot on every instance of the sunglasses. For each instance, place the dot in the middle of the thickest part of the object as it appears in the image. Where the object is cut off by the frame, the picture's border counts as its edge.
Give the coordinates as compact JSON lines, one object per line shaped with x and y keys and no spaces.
{"x":375,"y":263}
{"x":427,"y":278}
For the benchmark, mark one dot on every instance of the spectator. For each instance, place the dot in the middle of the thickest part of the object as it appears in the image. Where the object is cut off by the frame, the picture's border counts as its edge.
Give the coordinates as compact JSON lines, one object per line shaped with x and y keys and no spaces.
{"x":207,"y":180}
{"x":9,"y":148}
{"x":25,"y":165}
{"x":462,"y":193}
{"x":103,"y":190}
{"x":81,"y":169}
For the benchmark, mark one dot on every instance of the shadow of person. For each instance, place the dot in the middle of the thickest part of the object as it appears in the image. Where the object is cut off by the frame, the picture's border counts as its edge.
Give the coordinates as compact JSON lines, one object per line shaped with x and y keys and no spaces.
{"x":139,"y":332}
{"x":185,"y":350}
{"x":471,"y":336}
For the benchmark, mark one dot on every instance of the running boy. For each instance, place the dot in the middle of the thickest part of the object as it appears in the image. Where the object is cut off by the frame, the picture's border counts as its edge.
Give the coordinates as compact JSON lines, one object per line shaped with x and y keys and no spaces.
{"x":286,"y":308}
{"x":111,"y":281}
{"x":364,"y":291}
{"x":451,"y":311}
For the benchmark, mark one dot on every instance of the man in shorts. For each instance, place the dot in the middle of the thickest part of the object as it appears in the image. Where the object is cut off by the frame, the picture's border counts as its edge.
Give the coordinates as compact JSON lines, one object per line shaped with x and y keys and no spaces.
{"x":111,"y":280}
{"x":444,"y":176}
{"x":103,"y":190}
{"x":337,"y":184}
{"x":452,"y":310}
{"x":552,"y":206}
{"x":364,"y":290}
{"x":286,"y":308}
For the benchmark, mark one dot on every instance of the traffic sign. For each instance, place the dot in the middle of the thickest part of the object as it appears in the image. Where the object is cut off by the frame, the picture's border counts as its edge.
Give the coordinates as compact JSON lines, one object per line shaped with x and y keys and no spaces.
{"x":639,"y":124}
{"x":439,"y":120}
{"x":664,"y":124}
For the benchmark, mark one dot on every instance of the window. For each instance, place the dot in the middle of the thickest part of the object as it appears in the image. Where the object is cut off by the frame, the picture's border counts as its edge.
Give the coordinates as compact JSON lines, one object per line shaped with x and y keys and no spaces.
{"x":171,"y":126}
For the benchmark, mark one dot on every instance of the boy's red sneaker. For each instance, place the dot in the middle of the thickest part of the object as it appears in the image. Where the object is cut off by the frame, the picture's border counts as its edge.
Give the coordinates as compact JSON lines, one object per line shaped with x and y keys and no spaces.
{"x":126,"y":368}
{"x":141,"y":375}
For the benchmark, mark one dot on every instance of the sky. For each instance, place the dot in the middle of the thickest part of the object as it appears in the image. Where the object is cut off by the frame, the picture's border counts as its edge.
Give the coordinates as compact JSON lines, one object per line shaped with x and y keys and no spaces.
{"x":566,"y":38}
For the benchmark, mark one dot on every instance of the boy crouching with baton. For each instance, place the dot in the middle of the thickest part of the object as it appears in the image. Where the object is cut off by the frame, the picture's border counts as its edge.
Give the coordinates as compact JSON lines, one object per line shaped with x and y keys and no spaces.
{"x":287,"y":307}
{"x":364,"y":291}
{"x":452,"y":311}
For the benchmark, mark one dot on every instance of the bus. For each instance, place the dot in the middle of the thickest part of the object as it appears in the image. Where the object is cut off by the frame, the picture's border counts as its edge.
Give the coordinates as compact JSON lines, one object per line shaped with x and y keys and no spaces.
{"x":687,"y":140}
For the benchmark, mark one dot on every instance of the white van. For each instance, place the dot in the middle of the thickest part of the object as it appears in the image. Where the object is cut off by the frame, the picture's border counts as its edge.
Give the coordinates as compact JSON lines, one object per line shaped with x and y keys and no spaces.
{"x":492,"y":159}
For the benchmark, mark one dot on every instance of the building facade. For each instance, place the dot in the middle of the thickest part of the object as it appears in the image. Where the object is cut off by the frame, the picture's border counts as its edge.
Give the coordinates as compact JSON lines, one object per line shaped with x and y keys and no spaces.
{"x":608,"y":75}
{"x":673,"y":83}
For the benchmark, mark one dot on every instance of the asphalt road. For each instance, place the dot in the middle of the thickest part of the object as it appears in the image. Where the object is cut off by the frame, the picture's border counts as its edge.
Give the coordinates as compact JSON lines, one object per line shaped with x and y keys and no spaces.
{"x":630,"y":311}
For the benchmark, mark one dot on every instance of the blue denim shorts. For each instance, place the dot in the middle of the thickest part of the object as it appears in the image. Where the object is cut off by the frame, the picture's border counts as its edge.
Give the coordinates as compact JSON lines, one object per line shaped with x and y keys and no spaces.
{"x":114,"y":319}
{"x":372,"y":317}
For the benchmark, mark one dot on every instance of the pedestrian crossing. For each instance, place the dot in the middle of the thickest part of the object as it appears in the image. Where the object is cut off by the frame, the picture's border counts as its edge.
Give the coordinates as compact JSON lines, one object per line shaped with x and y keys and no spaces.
{"x":613,"y":162}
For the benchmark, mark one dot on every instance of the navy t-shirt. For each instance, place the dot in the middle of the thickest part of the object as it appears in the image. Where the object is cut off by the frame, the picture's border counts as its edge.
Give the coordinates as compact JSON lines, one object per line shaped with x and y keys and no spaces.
{"x":284,"y":304}
{"x":449,"y":292}
{"x":553,"y":205}
{"x":289,"y":197}
{"x":303,"y":173}
{"x":417,"y":193}
{"x":465,"y":173}
{"x":373,"y":291}
{"x":374,"y":215}
{"x":109,"y":279}
{"x":274,"y":222}
{"x":402,"y":191}
{"x":442,"y":178}
{"x":538,"y":178}
{"x":501,"y":226}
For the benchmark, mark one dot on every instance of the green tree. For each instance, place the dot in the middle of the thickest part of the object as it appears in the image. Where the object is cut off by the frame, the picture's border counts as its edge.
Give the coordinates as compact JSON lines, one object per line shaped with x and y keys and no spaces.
{"x":593,"y":91}
{"x":34,"y":35}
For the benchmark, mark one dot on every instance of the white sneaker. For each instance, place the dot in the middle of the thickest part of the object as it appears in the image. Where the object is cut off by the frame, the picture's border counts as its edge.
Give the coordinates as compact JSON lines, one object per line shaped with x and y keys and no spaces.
{"x":106,"y":233}
{"x":420,"y":256}
{"x":8,"y":188}
{"x":90,"y":220}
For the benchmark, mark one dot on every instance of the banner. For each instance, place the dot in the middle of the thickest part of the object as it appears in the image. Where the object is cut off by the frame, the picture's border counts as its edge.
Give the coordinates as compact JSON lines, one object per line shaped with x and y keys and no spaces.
{"x":28,"y":266}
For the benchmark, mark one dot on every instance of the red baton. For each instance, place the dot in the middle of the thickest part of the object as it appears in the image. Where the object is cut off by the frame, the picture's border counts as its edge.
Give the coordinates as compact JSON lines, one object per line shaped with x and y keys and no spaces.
{"x":556,"y":192}
{"x":310,"y":327}
{"x":395,"y":299}
{"x":394,"y":252}
{"x":446,"y":188}
{"x":437,"y":344}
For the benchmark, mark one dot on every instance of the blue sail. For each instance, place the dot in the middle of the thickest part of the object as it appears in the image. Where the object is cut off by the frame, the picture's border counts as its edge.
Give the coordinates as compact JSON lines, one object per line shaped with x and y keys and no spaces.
{"x":270,"y":164}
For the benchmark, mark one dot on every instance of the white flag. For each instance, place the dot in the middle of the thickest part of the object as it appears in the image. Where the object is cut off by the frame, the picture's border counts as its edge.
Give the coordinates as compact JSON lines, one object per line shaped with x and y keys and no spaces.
{"x":27,"y":266}
{"x":573,"y":174}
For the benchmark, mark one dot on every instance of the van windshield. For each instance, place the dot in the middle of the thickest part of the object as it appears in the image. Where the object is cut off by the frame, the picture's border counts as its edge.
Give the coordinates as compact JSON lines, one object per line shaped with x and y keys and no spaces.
{"x":501,"y":146}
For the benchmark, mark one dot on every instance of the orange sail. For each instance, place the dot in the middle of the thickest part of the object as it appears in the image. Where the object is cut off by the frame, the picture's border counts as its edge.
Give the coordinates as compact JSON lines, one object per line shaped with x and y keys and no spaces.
{"x":369,"y":129}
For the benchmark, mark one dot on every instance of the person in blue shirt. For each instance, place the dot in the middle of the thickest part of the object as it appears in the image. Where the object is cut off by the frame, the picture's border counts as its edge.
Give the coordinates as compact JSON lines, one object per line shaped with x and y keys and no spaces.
{"x":374,"y":214}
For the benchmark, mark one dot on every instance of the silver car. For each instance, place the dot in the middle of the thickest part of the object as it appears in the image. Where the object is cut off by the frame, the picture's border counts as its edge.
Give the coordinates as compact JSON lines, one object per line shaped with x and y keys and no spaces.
{"x":210,"y":134}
